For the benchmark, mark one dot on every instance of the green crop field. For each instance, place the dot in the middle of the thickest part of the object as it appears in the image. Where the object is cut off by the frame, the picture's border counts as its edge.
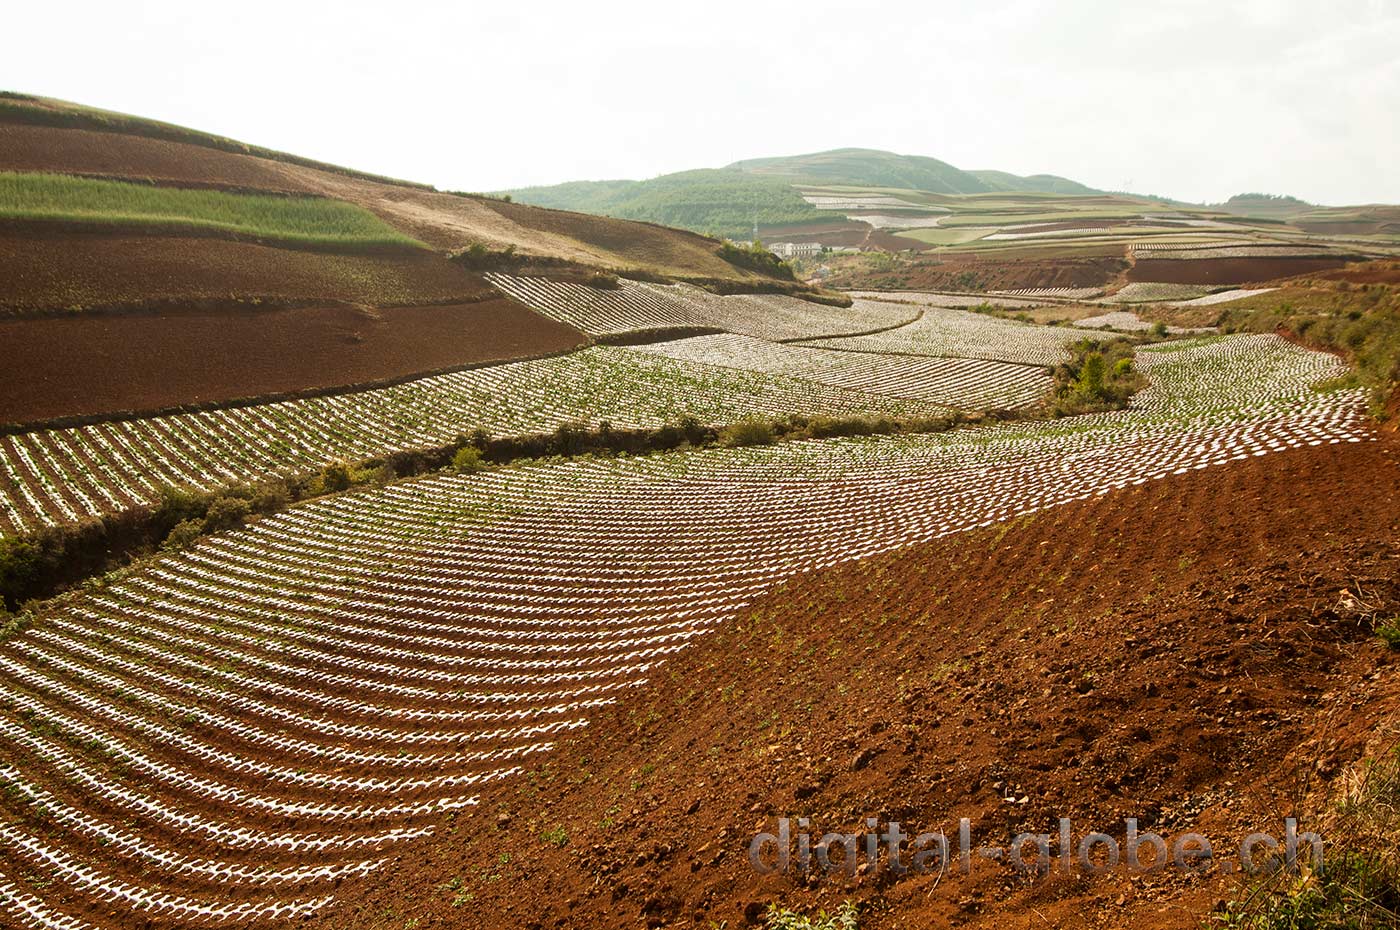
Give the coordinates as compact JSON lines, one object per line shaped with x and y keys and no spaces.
{"x":307,"y":220}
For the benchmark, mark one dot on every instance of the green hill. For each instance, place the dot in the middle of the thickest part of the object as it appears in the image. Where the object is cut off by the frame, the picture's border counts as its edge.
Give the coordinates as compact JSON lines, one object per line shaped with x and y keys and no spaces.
{"x":867,"y":168}
{"x":1041,"y":183}
{"x":718,"y":201}
{"x":728,"y":201}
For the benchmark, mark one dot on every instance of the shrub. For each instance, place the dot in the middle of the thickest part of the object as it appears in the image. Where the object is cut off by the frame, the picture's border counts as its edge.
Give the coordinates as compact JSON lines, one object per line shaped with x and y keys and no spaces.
{"x":755,"y":258}
{"x":467,"y":459}
{"x":603,"y":280}
{"x":270,"y":497}
{"x":335,"y":477}
{"x":1159,"y":329}
{"x":225,"y":513}
{"x":480,"y":257}
{"x":747,"y":433}
{"x":183,"y":535}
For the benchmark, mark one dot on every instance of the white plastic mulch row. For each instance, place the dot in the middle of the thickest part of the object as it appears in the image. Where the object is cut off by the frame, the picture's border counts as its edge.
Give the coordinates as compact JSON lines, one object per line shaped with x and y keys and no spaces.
{"x":635,"y":306}
{"x":1065,"y":293}
{"x":216,"y":738}
{"x":952,"y":382}
{"x":952,"y":333}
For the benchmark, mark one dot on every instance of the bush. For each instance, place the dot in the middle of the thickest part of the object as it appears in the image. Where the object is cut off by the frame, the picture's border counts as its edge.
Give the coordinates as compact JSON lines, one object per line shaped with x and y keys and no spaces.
{"x":226,"y":513}
{"x":467,"y":460}
{"x":183,"y":535}
{"x":270,"y":497}
{"x":480,"y":257}
{"x":335,"y":477}
{"x":747,"y":433}
{"x":603,"y":280}
{"x":755,"y":258}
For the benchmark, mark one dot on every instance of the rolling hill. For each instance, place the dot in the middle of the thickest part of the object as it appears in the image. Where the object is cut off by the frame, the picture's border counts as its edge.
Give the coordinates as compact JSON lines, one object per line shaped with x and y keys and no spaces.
{"x":729,"y":201}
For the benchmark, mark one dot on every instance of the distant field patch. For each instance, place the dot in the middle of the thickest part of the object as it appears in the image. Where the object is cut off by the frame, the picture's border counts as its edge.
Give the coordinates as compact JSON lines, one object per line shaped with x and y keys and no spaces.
{"x":306,"y":220}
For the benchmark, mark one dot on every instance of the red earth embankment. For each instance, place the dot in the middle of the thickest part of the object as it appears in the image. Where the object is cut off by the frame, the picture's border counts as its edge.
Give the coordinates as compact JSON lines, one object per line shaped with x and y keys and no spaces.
{"x":1228,"y":270}
{"x":109,"y":363}
{"x":1181,"y":652}
{"x":48,"y":269}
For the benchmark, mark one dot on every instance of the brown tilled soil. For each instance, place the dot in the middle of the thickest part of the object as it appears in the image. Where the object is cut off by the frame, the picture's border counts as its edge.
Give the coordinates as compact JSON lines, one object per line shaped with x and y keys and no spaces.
{"x":1183,"y":652}
{"x":961,"y":273}
{"x":46,"y":270}
{"x":1227,"y":270}
{"x":118,"y":155}
{"x":106,"y":363}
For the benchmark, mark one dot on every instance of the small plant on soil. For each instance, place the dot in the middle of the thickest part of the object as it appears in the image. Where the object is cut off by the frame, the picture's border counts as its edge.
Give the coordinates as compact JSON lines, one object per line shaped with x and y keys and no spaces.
{"x":555,"y":836}
{"x":1389,"y":632}
{"x":845,"y":917}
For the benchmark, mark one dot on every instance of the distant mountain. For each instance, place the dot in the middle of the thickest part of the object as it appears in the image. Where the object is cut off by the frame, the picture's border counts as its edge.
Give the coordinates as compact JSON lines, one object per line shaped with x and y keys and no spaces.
{"x":718,"y":201}
{"x":1267,"y":205}
{"x":867,"y":168}
{"x":729,"y":201}
{"x":1038,"y":183}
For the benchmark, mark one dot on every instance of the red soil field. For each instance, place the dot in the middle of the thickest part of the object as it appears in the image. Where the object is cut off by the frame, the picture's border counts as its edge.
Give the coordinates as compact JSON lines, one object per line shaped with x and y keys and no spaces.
{"x":105,"y":363}
{"x":951,"y":273}
{"x":51,"y":270}
{"x":84,"y":151}
{"x":1227,"y":270}
{"x":1178,"y":652}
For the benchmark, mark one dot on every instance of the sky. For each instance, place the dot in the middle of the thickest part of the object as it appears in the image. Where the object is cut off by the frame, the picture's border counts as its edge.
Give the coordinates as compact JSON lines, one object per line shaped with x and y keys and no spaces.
{"x":1193,"y":99}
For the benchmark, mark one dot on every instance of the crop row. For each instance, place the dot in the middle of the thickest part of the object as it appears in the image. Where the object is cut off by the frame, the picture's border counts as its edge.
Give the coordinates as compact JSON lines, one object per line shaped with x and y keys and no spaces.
{"x":1065,"y":293}
{"x":952,"y":382}
{"x":54,"y":476}
{"x":951,"y":301}
{"x":219,"y":737}
{"x":635,"y":306}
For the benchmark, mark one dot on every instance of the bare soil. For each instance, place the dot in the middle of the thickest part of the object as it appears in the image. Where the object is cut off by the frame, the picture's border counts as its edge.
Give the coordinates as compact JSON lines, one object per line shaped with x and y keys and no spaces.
{"x":1181,"y":652}
{"x":119,"y":155}
{"x":1227,"y":270}
{"x":95,"y":364}
{"x":46,"y":270}
{"x":963,"y":273}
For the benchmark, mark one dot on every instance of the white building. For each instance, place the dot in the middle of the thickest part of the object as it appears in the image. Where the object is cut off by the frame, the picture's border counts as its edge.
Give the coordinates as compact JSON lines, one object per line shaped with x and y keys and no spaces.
{"x":795,"y":249}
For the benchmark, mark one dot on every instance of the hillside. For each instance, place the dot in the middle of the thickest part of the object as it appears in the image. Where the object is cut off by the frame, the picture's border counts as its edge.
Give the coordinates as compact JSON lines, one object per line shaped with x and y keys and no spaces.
{"x":56,"y":137}
{"x":729,"y":201}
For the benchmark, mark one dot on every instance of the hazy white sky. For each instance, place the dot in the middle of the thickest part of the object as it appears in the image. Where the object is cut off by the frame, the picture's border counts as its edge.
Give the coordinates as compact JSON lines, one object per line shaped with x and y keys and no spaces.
{"x":1196,"y":99}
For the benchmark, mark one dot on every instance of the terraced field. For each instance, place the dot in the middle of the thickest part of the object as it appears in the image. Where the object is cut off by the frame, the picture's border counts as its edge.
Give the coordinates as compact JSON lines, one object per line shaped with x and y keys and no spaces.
{"x":945,"y":333}
{"x":223,"y":736}
{"x":951,"y":382}
{"x":59,"y":475}
{"x":636,"y":306}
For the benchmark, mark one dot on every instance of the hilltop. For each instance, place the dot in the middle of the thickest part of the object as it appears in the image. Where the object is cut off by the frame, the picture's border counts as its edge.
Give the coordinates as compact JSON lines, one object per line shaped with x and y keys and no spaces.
{"x":730,"y":200}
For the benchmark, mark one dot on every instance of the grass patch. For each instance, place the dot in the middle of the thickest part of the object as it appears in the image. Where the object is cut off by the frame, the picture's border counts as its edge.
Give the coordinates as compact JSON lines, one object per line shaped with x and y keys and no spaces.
{"x":1357,"y":887}
{"x":306,"y":220}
